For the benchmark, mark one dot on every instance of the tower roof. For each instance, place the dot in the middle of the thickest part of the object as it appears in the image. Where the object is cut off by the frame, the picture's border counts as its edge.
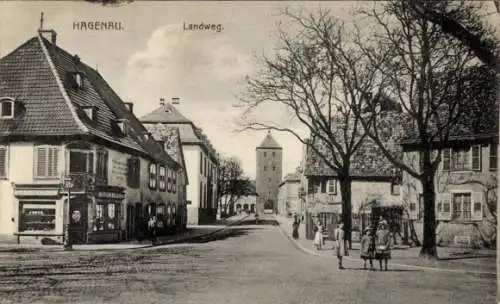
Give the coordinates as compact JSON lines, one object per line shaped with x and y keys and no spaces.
{"x":165,"y":114}
{"x":269,"y":142}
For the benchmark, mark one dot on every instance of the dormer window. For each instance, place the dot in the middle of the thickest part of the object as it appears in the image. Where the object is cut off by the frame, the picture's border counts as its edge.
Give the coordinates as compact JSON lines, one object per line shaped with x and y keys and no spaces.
{"x":161,"y":143}
{"x":122,"y":126}
{"x":91,"y":112}
{"x":75,"y":80}
{"x":6,"y":108}
{"x":78,"y":80}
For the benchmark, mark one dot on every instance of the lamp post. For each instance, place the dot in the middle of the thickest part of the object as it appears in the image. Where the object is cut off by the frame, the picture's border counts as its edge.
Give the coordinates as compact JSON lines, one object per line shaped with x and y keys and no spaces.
{"x":67,"y":185}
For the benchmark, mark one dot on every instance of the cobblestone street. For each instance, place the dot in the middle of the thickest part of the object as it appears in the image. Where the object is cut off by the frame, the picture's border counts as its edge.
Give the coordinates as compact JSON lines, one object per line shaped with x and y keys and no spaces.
{"x":246,"y":264}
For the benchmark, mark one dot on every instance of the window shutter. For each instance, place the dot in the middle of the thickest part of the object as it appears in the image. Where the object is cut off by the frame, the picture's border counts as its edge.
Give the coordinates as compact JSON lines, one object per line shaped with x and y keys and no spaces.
{"x":443,"y":206}
{"x":52,"y":161}
{"x":476,"y":157}
{"x":446,"y":159}
{"x":41,"y":161}
{"x":105,"y":165}
{"x":477,"y":206}
{"x":3,"y":161}
{"x":91,"y":162}
{"x":137,"y":173}
{"x":130,"y":172}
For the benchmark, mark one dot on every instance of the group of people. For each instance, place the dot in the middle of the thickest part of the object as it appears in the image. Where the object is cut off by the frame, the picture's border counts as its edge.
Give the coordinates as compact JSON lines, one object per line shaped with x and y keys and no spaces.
{"x":375,"y":244}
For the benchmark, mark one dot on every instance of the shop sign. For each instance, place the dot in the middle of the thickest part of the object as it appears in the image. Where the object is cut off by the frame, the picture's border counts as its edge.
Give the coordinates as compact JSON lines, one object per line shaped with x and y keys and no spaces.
{"x":110,"y":195}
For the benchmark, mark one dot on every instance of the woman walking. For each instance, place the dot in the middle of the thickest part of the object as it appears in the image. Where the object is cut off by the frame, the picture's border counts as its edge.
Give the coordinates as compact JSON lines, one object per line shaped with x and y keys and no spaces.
{"x":383,"y":244}
{"x":295,"y":230}
{"x":367,"y":247}
{"x":318,"y":236}
{"x":340,"y":247}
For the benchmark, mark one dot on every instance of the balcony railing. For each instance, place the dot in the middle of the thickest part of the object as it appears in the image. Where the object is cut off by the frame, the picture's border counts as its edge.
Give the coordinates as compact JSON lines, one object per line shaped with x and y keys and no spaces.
{"x":80,"y":182}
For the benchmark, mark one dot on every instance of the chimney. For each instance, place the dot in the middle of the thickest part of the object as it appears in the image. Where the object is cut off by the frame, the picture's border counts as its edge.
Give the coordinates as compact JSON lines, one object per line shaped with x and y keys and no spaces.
{"x":130,"y":106}
{"x":53,"y":35}
{"x":76,"y":59}
{"x":175,"y":100}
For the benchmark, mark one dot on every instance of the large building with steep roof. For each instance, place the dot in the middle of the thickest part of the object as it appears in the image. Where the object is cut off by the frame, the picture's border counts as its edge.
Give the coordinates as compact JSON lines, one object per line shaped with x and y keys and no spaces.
{"x":269,"y":170}
{"x":199,"y":156}
{"x":74,"y":155}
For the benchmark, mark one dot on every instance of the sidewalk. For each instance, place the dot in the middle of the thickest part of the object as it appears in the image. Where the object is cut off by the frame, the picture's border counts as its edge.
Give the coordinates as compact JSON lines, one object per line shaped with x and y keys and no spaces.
{"x":461,"y":260}
{"x":192,"y":232}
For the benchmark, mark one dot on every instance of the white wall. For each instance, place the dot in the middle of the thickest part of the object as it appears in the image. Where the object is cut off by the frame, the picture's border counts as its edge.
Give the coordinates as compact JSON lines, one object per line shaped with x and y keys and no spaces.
{"x":20,"y":170}
{"x":192,"y":159}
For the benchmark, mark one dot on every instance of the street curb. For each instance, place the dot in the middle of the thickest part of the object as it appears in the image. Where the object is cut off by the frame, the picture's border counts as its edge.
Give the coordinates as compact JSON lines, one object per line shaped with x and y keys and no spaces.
{"x":167,"y":243}
{"x":189,"y":239}
{"x":285,"y":235}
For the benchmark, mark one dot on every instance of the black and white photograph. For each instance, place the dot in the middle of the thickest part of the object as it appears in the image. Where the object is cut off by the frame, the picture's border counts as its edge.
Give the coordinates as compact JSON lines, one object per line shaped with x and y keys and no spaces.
{"x":249,"y":152}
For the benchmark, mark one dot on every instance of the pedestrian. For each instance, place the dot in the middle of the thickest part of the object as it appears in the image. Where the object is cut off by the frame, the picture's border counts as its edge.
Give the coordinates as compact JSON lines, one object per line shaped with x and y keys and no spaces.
{"x":367,"y":247}
{"x":383,"y":244}
{"x":152,"y":224}
{"x":295,"y":229}
{"x":340,"y":246}
{"x":318,"y":236}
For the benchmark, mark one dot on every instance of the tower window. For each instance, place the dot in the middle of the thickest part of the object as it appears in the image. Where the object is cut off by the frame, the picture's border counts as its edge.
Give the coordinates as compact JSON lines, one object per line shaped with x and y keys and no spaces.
{"x":274,"y":153}
{"x":274,"y":168}
{"x":265,"y":167}
{"x":265,"y":154}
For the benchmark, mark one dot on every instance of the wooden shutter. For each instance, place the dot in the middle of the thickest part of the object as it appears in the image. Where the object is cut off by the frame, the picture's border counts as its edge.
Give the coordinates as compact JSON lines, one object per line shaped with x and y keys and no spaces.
{"x":477,"y":206}
{"x":52,"y":161}
{"x":476,"y":157}
{"x":41,"y":161}
{"x":90,"y":162}
{"x":443,"y":206}
{"x":137,"y":174}
{"x":130,"y":172}
{"x":446,"y":159}
{"x":3,"y":161}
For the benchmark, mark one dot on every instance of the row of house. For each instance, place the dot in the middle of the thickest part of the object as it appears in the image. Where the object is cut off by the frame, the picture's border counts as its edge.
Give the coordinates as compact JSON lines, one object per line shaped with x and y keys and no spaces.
{"x":465,"y":187}
{"x":73,"y":155}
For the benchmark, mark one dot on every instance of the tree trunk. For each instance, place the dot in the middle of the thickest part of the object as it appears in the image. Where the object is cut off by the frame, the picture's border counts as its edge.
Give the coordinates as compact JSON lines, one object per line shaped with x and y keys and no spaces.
{"x":429,"y":246}
{"x":345,"y":191}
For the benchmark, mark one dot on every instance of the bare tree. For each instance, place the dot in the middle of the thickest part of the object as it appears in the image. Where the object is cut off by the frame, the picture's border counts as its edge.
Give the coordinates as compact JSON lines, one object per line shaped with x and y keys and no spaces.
{"x":232,"y":183}
{"x":304,"y":77}
{"x":463,"y":20}
{"x":421,"y":67}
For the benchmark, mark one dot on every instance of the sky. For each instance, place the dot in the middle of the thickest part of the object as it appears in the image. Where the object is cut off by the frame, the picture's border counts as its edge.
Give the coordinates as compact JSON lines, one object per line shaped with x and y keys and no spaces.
{"x":154,"y":57}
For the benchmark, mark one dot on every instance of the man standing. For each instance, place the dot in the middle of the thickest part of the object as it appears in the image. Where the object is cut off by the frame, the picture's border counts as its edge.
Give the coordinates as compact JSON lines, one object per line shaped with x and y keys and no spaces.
{"x":152,"y":229}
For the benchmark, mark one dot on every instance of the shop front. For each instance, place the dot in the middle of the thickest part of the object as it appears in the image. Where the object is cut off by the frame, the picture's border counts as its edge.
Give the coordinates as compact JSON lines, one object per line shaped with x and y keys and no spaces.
{"x":40,"y":214}
{"x":107,"y":215}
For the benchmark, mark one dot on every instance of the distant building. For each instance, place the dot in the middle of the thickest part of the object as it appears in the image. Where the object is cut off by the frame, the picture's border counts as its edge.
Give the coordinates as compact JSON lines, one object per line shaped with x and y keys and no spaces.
{"x":245,"y":203}
{"x":63,"y":127}
{"x":199,"y":156}
{"x":375,"y":191}
{"x":268,"y":173}
{"x":288,"y":196}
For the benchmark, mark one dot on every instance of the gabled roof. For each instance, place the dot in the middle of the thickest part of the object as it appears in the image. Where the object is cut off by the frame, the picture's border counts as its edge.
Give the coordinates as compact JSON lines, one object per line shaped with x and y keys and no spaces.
{"x":367,"y":161}
{"x":269,"y":142}
{"x":167,"y":113}
{"x":53,"y":107}
{"x":26,"y":75}
{"x":173,"y":146}
{"x":189,"y":133}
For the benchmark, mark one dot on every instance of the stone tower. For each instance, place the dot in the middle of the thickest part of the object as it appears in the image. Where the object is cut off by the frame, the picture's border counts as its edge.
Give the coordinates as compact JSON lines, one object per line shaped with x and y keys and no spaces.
{"x":268,"y":173}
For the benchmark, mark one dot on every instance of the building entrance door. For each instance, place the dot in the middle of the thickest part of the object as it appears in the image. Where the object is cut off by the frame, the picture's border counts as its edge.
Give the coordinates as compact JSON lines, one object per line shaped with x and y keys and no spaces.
{"x":78,"y":219}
